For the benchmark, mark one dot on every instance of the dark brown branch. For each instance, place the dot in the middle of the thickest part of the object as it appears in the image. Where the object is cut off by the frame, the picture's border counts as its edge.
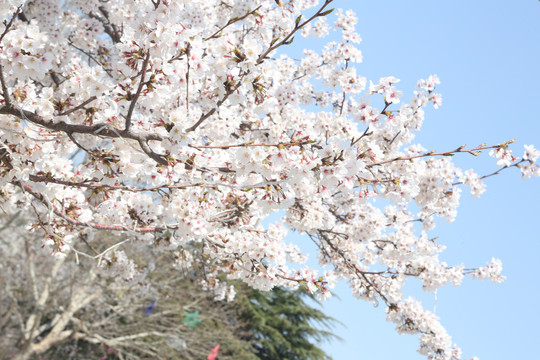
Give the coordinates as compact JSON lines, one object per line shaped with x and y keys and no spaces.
{"x":151,"y":153}
{"x":516,"y":164}
{"x":344,"y":94}
{"x":366,"y":133}
{"x":92,"y":184}
{"x":4,"y":156}
{"x":110,"y":28}
{"x":5,"y":92}
{"x":72,"y":138}
{"x":84,"y":240}
{"x":103,"y":130}
{"x":138,"y":93}
{"x":354,"y":268}
{"x":188,"y":52}
{"x":342,"y":103}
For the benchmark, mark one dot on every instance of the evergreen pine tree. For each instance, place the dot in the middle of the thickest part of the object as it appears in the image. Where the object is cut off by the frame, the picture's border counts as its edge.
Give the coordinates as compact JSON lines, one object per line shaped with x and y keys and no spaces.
{"x":283,"y":325}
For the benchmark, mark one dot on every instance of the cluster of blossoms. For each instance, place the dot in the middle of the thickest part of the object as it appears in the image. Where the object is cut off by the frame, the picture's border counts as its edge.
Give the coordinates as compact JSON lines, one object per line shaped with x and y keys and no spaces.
{"x":177,"y":125}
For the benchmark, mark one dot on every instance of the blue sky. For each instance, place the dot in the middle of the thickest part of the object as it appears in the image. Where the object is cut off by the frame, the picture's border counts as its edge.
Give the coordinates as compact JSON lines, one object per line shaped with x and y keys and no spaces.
{"x":487,"y":54}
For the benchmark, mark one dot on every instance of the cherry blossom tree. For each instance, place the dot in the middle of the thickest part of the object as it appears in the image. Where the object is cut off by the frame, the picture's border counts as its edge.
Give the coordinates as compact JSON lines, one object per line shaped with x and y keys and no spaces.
{"x":182,"y":125}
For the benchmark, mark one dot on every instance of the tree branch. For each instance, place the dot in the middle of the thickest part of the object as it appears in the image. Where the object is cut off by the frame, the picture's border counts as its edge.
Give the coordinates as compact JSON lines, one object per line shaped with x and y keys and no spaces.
{"x":110,"y":28}
{"x":138,"y":93}
{"x":219,"y":103}
{"x":62,"y":126}
{"x":10,"y":23}
{"x":65,"y":217}
{"x":78,"y":107}
{"x":230,"y":22}
{"x":297,"y":27}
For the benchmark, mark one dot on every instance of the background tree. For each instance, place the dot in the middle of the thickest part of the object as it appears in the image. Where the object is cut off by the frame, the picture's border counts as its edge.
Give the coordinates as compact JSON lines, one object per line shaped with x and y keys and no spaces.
{"x":280,"y":325}
{"x":58,"y":309}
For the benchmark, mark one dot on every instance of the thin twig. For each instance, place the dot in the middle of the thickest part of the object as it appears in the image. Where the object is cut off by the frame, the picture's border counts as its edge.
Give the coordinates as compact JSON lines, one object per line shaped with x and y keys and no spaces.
{"x":78,"y":107}
{"x":8,"y":25}
{"x":90,"y":56}
{"x":206,"y":115}
{"x":473,"y":151}
{"x":297,"y":27}
{"x":230,"y":22}
{"x":65,"y":217}
{"x":224,"y":147}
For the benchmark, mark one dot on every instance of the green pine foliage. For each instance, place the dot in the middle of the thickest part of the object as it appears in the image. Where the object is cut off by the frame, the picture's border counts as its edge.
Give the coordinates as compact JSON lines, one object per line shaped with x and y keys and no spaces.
{"x":283,"y":325}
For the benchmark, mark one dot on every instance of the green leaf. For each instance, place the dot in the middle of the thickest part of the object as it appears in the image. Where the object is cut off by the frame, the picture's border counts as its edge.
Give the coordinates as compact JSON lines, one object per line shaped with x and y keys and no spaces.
{"x":298,"y":20}
{"x":327,"y":12}
{"x":289,"y":41}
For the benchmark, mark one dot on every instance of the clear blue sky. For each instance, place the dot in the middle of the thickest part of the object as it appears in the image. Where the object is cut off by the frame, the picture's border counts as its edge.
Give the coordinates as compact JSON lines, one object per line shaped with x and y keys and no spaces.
{"x":487,"y":54}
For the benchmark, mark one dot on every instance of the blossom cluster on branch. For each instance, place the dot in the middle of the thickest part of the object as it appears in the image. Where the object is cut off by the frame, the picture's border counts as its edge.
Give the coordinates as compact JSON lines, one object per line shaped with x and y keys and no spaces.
{"x":174,"y":123}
